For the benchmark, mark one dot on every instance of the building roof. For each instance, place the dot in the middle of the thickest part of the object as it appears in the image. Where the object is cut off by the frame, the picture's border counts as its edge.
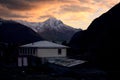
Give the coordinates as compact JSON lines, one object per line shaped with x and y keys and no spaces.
{"x":44,"y":44}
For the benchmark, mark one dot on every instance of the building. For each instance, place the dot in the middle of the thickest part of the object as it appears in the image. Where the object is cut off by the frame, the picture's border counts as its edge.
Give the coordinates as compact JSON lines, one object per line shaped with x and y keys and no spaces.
{"x":42,"y":49}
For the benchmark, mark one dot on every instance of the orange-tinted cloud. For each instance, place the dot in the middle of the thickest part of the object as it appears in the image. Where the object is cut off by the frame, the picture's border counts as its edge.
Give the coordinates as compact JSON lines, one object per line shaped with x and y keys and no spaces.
{"x":76,"y":13}
{"x":73,"y":8}
{"x":6,"y":13}
{"x":45,"y":16}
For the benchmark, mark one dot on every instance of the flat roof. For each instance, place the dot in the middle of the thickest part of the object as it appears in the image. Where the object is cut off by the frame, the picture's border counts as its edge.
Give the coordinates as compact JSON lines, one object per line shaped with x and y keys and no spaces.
{"x":44,"y":44}
{"x":66,"y":62}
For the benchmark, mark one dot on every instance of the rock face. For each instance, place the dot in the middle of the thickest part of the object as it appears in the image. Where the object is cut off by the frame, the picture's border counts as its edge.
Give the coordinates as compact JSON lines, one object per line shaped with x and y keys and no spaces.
{"x":100,"y":42}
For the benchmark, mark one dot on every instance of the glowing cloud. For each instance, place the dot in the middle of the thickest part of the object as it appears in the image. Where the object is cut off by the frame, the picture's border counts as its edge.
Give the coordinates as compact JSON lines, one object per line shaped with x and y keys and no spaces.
{"x":76,"y":13}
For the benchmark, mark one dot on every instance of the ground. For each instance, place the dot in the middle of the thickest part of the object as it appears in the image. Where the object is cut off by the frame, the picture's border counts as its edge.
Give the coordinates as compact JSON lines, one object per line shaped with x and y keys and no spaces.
{"x":49,"y":73}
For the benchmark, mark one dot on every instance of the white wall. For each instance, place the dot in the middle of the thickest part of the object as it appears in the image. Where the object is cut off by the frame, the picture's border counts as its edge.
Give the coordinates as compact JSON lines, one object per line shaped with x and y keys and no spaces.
{"x":50,"y":53}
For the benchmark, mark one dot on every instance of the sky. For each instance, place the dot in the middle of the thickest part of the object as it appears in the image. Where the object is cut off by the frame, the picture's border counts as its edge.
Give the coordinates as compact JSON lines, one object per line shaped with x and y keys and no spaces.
{"x":75,"y":13}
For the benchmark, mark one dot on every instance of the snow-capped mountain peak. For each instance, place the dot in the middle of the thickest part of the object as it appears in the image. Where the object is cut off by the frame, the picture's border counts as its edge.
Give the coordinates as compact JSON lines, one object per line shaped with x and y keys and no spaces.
{"x":50,"y":24}
{"x":53,"y":23}
{"x":52,"y":19}
{"x":52,"y":29}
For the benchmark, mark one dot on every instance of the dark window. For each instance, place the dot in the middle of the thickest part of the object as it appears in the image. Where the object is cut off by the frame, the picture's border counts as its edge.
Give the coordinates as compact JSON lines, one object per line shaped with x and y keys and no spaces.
{"x":25,"y":50}
{"x":59,"y":51}
{"x":34,"y":50}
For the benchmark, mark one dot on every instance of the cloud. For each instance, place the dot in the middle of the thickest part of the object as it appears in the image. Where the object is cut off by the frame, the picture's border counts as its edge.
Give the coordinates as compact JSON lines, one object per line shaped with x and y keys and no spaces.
{"x":66,"y":1}
{"x":21,"y":5}
{"x":19,"y":8}
{"x":73,"y":8}
{"x":45,"y":16}
{"x":40,"y":0}
{"x":100,"y":1}
{"x":16,"y":4}
{"x":84,"y":1}
{"x":5,"y":13}
{"x":69,"y":11}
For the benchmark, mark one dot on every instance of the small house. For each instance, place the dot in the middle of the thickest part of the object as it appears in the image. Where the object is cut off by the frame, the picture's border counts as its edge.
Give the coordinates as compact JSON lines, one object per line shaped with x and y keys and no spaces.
{"x":41,"y":49}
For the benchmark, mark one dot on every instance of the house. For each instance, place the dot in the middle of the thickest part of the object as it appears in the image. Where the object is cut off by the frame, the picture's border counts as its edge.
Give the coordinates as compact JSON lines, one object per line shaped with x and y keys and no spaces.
{"x":42,"y":49}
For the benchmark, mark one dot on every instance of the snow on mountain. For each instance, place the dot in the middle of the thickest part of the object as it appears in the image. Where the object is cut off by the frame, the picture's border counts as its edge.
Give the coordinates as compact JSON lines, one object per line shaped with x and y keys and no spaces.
{"x":52,"y":29}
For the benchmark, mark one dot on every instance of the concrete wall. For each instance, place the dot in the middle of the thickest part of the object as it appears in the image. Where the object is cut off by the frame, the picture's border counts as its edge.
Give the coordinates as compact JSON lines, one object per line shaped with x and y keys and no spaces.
{"x":51,"y":53}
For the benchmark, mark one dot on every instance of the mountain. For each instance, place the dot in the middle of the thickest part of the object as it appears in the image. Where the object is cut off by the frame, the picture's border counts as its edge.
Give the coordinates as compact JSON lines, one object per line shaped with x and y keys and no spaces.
{"x":52,"y":29}
{"x":99,"y":44}
{"x":15,"y":33}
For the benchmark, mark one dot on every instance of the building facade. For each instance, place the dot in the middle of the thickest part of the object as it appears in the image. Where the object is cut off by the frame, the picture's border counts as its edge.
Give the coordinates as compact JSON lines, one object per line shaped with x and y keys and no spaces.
{"x":44,"y":50}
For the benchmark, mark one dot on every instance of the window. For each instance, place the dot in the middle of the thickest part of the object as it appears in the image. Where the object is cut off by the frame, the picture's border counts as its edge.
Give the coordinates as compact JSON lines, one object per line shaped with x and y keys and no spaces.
{"x":22,"y":61}
{"x":27,"y":51}
{"x":59,"y":51}
{"x":34,"y":51}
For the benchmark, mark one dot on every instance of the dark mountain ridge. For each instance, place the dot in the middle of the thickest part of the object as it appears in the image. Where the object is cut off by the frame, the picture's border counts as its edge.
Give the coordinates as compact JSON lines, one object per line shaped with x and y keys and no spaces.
{"x":99,"y":44}
{"x":15,"y":33}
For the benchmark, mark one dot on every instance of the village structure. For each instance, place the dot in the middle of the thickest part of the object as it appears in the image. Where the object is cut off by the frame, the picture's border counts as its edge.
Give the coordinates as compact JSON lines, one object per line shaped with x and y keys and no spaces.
{"x":46,"y":51}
